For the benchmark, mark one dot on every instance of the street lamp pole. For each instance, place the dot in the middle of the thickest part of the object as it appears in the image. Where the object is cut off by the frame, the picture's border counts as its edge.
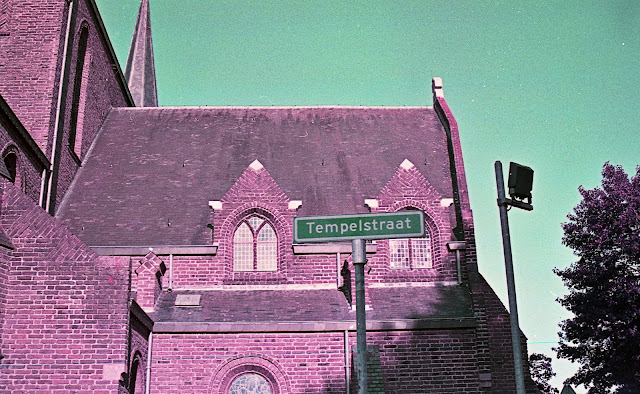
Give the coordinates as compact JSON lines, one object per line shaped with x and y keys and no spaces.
{"x":503,"y":202}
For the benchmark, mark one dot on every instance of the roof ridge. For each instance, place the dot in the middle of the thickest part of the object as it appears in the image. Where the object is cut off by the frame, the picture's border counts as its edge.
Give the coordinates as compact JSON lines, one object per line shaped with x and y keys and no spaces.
{"x":218,"y":107}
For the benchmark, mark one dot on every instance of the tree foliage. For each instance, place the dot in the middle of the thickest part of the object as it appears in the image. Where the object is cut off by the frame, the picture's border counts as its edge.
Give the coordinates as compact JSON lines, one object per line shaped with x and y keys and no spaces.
{"x":604,"y":285}
{"x":541,"y":372}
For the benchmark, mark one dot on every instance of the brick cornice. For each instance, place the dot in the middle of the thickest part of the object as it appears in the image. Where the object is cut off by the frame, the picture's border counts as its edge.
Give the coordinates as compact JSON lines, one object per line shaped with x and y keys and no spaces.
{"x":316,"y":326}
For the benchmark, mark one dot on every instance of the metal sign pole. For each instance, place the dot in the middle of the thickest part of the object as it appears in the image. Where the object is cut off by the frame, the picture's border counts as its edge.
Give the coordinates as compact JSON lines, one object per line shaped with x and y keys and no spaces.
{"x":359,"y":256}
{"x":511,"y":286}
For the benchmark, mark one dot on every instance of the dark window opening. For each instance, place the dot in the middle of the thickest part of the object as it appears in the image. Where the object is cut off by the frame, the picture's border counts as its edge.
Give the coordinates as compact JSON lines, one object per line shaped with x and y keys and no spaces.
{"x":77,"y":85}
{"x":11,"y":163}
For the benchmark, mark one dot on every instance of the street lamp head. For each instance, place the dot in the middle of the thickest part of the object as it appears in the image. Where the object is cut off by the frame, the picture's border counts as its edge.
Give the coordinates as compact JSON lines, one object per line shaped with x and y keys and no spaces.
{"x":520,"y":182}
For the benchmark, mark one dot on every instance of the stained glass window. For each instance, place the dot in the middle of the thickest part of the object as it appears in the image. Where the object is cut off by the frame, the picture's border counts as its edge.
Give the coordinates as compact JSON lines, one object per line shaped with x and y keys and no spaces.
{"x":250,"y":383}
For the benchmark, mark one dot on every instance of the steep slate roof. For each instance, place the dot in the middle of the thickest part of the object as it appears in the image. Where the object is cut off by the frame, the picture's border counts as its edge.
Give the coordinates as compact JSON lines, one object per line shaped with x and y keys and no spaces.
{"x":256,"y":306}
{"x":152,"y":171}
{"x":435,"y":303}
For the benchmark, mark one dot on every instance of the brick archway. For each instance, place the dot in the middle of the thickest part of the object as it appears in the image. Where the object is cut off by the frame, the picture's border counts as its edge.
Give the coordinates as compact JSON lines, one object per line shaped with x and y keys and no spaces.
{"x":229,"y":371}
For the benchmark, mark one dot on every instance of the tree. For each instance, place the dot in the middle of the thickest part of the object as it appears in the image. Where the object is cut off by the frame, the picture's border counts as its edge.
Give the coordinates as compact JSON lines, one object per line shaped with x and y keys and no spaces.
{"x":604,"y":285}
{"x":541,"y":372}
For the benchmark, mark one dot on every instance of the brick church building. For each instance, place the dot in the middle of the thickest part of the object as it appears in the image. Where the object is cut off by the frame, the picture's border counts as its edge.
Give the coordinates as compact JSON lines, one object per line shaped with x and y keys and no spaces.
{"x":150,"y":249}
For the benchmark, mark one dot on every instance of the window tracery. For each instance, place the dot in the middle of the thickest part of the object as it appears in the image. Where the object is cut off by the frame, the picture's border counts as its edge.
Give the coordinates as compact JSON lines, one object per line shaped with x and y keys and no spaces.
{"x":411,"y":253}
{"x":255,"y":245}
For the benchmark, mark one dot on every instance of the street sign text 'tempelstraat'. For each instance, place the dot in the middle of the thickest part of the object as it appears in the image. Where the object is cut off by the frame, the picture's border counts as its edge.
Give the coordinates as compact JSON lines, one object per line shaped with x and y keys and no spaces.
{"x":401,"y":224}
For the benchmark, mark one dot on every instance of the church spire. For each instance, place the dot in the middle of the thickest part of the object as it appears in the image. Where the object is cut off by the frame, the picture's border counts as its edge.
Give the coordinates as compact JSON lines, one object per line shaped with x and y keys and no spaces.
{"x":140,"y":71}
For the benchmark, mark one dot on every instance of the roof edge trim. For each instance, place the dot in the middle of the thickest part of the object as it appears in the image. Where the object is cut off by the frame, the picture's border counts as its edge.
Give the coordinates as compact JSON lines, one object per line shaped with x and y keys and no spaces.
{"x":276,"y":107}
{"x":137,"y":311}
{"x":329,"y":248}
{"x":181,"y":250}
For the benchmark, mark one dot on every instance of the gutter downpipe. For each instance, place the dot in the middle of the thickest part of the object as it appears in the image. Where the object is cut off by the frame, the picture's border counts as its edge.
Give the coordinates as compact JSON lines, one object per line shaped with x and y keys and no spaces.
{"x":347,"y":375}
{"x":147,"y":388}
{"x":43,"y":188}
{"x":457,"y":247}
{"x":338,"y":269}
{"x":458,"y":267}
{"x":170,"y":289}
{"x":56,"y":127}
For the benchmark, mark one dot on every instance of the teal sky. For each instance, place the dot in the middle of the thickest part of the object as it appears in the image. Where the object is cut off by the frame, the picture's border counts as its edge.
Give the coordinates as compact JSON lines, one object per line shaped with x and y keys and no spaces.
{"x":553,"y":85}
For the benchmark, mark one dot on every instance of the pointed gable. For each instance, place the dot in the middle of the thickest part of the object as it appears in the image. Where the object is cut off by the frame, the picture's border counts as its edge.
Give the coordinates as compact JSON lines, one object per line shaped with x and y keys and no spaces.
{"x":408,"y":187}
{"x":256,"y":184}
{"x":140,"y":71}
{"x":255,"y":192}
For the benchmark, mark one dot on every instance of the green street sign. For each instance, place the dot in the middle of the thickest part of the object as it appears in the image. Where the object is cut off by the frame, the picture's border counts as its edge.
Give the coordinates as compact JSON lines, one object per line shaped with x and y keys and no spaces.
{"x":402,"y":224}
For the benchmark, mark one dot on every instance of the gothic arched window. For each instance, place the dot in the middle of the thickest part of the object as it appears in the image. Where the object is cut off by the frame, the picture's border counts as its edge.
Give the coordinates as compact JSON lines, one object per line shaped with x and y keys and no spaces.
{"x":255,"y":245}
{"x":411,"y":253}
{"x":11,"y":164}
{"x":77,"y":85}
{"x":136,"y":378}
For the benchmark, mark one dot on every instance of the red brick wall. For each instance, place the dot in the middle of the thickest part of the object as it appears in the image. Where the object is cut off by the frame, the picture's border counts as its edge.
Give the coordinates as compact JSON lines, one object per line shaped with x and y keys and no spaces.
{"x":30,"y":62}
{"x":139,"y":347}
{"x":195,"y":363}
{"x":495,"y":351}
{"x":500,"y":345}
{"x":442,"y":361}
{"x":28,"y":177}
{"x":149,"y":280}
{"x":100,"y":91}
{"x":65,"y":319}
{"x":5,"y":256}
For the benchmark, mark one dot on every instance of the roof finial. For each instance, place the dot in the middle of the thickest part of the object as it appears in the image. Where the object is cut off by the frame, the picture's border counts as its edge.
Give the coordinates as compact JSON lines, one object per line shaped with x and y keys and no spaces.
{"x":407,"y":165}
{"x":436,"y":87}
{"x":140,"y":71}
